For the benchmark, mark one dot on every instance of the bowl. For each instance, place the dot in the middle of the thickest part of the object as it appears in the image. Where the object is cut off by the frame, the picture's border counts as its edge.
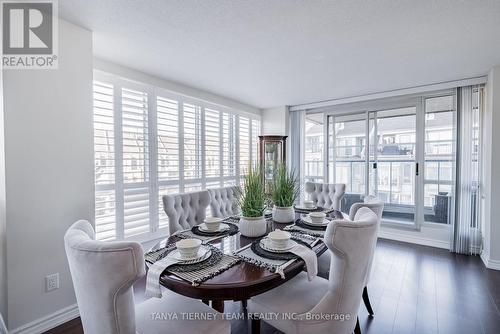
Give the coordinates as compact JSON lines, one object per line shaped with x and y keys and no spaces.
{"x":213,"y":223}
{"x":317,"y":217}
{"x":279,"y":239}
{"x":308,"y":204}
{"x":188,"y":248}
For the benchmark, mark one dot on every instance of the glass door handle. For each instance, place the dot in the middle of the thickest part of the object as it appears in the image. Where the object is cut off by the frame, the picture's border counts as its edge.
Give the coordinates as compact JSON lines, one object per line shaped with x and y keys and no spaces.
{"x":416,"y":168}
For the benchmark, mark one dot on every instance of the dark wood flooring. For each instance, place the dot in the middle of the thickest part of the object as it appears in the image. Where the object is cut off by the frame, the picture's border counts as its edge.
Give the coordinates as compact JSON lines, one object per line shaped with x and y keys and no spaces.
{"x":413,"y":289}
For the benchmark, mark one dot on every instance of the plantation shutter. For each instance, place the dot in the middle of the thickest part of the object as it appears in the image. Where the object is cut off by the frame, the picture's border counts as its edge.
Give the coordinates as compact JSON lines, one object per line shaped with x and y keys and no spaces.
{"x":229,"y":148}
{"x":150,"y":142}
{"x":212,"y":145}
{"x":104,"y":158}
{"x":192,"y":147}
{"x":167,"y":123}
{"x":244,"y":131}
{"x":135,"y":162}
{"x":255,"y":141}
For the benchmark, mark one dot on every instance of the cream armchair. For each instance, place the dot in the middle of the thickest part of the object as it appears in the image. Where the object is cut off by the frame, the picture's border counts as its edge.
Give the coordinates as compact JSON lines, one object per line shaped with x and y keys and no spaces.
{"x":350,"y":245}
{"x":103,"y":274}
{"x":185,"y":210}
{"x":325,"y":195}
{"x":223,"y":201}
{"x":377,"y":206}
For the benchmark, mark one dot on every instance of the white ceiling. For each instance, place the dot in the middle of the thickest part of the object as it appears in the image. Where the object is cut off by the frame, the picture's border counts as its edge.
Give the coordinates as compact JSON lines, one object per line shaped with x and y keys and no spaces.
{"x":283,"y":52}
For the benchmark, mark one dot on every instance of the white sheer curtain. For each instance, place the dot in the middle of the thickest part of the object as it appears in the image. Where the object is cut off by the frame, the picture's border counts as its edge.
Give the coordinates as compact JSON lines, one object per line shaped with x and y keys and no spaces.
{"x":466,"y":236}
{"x":297,"y":129}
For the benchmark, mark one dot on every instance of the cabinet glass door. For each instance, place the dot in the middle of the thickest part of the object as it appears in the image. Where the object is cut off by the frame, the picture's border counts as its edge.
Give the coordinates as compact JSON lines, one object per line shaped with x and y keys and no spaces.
{"x":272,"y":158}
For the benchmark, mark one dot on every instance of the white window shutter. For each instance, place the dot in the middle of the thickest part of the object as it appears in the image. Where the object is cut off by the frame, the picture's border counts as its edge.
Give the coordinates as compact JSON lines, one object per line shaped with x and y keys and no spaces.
{"x":104,"y":157}
{"x":148,"y":143}
{"x":212,"y":145}
{"x":244,"y":132}
{"x":135,"y":162}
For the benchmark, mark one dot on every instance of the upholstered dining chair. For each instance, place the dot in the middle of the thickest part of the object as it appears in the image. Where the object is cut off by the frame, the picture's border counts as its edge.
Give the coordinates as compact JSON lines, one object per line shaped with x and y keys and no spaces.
{"x":325,"y":195}
{"x":377,"y":206}
{"x":185,"y":210}
{"x":223,"y":201}
{"x":350,"y":245}
{"x":103,"y":274}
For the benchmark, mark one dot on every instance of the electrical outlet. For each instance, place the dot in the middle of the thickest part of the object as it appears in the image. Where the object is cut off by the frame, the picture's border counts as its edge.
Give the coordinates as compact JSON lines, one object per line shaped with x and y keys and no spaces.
{"x":51,"y":282}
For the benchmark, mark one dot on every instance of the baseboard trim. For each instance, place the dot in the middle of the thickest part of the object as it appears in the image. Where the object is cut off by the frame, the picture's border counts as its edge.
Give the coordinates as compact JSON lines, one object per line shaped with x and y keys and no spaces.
{"x":414,"y":239}
{"x":50,"y":321}
{"x":489,"y":263}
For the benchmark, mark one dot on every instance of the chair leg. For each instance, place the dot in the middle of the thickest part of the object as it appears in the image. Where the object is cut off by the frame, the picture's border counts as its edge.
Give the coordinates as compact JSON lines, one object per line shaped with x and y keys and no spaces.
{"x":366,"y":300}
{"x":255,"y":326}
{"x":357,"y":329}
{"x":244,"y":308}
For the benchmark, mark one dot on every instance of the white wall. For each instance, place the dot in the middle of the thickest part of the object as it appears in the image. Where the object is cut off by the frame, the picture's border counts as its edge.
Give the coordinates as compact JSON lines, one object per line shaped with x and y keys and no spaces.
{"x":49,"y":173}
{"x":434,"y":235}
{"x":491,"y":171}
{"x":275,"y":121}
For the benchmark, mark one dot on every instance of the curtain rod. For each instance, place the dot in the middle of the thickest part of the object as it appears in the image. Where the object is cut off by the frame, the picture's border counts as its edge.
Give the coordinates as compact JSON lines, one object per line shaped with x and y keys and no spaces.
{"x":392,"y":93}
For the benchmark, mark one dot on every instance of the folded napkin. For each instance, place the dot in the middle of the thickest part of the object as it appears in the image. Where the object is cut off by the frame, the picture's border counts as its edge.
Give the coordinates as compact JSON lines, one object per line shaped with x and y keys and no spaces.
{"x":153,"y":287}
{"x":309,"y":257}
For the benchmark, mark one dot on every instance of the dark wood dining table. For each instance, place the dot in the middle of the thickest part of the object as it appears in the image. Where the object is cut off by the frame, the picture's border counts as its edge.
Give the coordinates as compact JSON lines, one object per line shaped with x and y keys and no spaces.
{"x":238,"y":283}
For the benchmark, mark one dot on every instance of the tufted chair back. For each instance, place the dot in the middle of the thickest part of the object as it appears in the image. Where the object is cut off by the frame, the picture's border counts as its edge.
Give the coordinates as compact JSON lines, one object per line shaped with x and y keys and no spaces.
{"x":350,"y":244}
{"x":223,"y":201}
{"x":103,"y":274}
{"x":185,"y":210}
{"x":377,"y":206}
{"x":325,"y":195}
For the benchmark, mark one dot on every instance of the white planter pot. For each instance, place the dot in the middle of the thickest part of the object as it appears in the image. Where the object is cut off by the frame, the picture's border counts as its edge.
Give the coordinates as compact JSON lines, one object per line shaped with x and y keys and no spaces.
{"x":253,"y":226}
{"x":283,"y":215}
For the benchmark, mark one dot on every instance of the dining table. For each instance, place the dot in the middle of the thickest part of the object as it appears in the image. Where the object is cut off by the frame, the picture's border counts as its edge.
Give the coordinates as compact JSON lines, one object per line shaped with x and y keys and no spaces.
{"x":241,"y":281}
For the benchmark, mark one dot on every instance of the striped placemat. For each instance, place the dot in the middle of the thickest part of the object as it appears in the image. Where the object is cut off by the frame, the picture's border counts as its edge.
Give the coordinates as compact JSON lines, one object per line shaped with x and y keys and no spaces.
{"x":296,"y":228}
{"x":195,"y":273}
{"x":276,"y":266}
{"x":318,"y":209}
{"x":199,"y":276}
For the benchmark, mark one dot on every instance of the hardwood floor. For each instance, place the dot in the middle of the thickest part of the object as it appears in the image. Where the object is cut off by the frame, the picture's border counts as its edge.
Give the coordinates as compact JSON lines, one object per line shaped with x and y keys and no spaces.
{"x":413,"y":289}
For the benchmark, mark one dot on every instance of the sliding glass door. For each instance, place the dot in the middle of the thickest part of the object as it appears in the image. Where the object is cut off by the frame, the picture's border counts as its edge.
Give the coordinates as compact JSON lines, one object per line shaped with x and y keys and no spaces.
{"x":393,"y":162}
{"x":402,"y":152}
{"x":439,"y":158}
{"x":347,"y":152}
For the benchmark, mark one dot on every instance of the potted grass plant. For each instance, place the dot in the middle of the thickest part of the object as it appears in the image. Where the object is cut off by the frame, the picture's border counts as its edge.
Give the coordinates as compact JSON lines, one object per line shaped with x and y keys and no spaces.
{"x":285,"y":190}
{"x":252,"y":201}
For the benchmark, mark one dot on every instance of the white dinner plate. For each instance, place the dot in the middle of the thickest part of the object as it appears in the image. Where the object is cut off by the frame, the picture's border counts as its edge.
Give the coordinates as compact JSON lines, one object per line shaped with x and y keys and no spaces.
{"x":300,"y":207}
{"x":307,"y":220}
{"x":222,"y":227}
{"x":265,"y":243}
{"x":203,"y":253}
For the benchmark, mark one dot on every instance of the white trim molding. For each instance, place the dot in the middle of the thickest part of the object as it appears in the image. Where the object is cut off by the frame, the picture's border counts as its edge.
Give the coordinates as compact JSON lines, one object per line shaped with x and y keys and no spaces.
{"x":47,"y":322}
{"x":414,"y":239}
{"x":489,"y":263}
